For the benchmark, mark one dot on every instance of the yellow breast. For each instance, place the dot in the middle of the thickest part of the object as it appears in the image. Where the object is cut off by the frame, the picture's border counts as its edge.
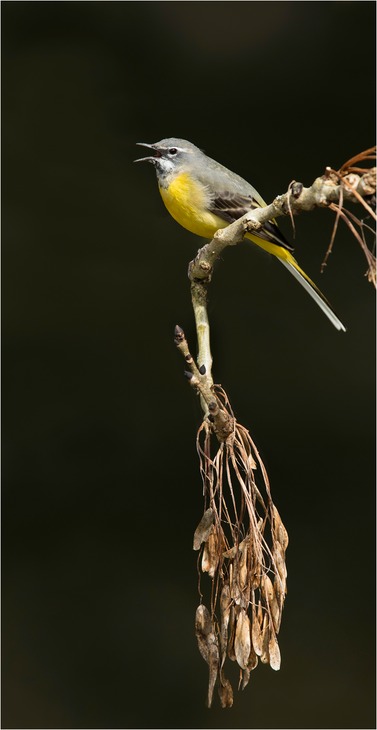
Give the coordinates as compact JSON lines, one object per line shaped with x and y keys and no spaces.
{"x":186,"y":200}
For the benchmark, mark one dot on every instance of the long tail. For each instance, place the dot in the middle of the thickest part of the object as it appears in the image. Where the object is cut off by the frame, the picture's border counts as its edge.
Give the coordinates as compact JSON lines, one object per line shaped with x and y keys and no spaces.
{"x":291,"y":264}
{"x":276,"y":244}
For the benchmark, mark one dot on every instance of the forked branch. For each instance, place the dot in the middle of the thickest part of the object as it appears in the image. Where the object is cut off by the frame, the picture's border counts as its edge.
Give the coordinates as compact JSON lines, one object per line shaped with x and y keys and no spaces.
{"x":241,"y":538}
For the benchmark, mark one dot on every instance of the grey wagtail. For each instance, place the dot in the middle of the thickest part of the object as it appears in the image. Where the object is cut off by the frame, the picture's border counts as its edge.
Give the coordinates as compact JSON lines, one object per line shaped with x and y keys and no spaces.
{"x":204,"y":196}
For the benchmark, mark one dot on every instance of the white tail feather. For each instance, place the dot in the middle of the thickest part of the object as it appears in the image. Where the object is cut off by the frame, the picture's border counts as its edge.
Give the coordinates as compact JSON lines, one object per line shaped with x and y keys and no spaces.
{"x":314,"y":294}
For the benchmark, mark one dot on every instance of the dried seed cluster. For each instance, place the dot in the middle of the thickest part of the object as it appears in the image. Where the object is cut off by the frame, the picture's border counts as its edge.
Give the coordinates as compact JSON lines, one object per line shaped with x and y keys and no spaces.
{"x":242,"y":543}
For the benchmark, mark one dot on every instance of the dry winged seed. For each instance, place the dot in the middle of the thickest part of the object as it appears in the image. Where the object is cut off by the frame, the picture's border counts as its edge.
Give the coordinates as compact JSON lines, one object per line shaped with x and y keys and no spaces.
{"x":271,"y":600}
{"x":203,"y":628}
{"x":210,"y":558}
{"x":253,"y":660}
{"x":232,"y":633}
{"x":279,"y":558}
{"x":225,"y":604}
{"x":204,"y":528}
{"x":265,"y":639}
{"x":208,"y":646}
{"x":276,"y":620}
{"x":256,"y":634}
{"x":280,"y":532}
{"x":225,"y":601}
{"x":225,"y":692}
{"x":251,"y":462}
{"x":235,"y":592}
{"x":267,"y":588}
{"x":280,"y":588}
{"x":213,"y":666}
{"x":245,"y":679}
{"x":243,"y":571}
{"x":274,"y":652}
{"x":205,"y":559}
{"x":242,"y":643}
{"x":231,"y":553}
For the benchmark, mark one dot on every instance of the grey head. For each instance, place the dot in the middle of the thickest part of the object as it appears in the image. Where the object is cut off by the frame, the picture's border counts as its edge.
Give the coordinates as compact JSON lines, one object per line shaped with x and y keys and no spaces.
{"x":170,"y":155}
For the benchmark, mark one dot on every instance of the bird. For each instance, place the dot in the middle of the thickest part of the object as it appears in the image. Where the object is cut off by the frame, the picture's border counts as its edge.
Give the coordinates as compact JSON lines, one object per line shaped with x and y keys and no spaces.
{"x":203,"y":196}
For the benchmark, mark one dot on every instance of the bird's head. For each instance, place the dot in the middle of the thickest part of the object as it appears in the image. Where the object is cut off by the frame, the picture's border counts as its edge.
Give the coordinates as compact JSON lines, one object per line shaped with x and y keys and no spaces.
{"x":169,"y":155}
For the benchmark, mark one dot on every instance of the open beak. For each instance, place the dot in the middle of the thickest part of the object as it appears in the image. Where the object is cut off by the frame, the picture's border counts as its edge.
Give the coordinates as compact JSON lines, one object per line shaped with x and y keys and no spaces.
{"x":150,"y":147}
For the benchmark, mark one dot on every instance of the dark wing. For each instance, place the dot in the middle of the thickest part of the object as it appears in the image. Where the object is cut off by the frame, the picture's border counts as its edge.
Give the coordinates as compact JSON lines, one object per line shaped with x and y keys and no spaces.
{"x":230,"y":207}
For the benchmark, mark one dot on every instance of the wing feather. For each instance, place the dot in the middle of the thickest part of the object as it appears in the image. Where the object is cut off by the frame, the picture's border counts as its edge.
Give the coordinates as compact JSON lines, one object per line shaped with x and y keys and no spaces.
{"x":230,"y":207}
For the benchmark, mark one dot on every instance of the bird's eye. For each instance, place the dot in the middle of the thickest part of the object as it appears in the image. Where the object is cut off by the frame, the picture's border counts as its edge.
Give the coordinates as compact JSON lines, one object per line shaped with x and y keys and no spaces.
{"x":173,"y":151}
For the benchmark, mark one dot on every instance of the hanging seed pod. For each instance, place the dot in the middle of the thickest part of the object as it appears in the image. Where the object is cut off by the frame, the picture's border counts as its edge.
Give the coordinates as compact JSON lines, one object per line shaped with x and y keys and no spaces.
{"x":280,"y":592}
{"x":256,"y":633}
{"x":225,"y":603}
{"x":267,"y":588}
{"x":243,"y":563}
{"x":203,"y":627}
{"x":231,"y":554}
{"x":205,"y":559}
{"x":208,"y":646}
{"x":252,"y":664}
{"x":244,"y":679}
{"x":204,"y":528}
{"x":271,"y":600}
{"x":210,"y":558}
{"x":225,"y":691}
{"x":242,"y":643}
{"x":242,"y":542}
{"x":279,"y":557}
{"x":280,"y":588}
{"x":253,"y":660}
{"x":274,"y":651}
{"x":234,"y":585}
{"x":276,"y":614}
{"x":280,"y":533}
{"x":225,"y":606}
{"x":265,"y":639}
{"x":213,"y":666}
{"x":232,"y":633}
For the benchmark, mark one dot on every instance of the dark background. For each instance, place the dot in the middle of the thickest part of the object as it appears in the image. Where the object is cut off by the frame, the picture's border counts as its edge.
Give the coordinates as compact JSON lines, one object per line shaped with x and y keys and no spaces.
{"x":101,"y":490}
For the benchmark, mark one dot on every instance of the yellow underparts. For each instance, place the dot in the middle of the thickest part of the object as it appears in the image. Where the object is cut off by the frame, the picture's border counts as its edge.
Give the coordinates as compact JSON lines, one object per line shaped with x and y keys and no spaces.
{"x":186,"y":201}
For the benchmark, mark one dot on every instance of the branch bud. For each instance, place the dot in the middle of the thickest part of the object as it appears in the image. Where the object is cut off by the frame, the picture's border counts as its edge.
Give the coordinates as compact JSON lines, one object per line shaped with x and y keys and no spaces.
{"x":179,"y":334}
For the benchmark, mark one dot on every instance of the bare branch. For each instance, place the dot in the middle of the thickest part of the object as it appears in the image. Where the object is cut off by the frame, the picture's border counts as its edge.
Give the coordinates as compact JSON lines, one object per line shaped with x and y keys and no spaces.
{"x":241,"y":537}
{"x":332,"y":187}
